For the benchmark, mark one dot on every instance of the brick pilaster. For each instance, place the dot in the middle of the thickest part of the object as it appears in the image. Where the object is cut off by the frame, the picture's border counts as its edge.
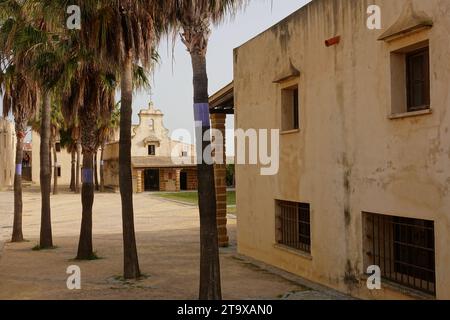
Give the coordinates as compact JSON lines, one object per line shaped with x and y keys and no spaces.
{"x":218,"y":123}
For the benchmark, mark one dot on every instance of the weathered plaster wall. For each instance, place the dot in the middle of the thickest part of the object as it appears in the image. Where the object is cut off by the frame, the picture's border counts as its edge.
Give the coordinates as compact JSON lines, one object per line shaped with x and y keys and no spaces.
{"x":7,"y":153}
{"x":348,"y":157}
{"x":64,"y":161}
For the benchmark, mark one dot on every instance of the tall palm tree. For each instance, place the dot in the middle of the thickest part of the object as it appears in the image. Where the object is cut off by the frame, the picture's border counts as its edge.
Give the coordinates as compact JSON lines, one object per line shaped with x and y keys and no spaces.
{"x":21,"y":98}
{"x":194,"y":18}
{"x":91,"y":96}
{"x":45,"y":52}
{"x":20,"y":93}
{"x":124,"y":33}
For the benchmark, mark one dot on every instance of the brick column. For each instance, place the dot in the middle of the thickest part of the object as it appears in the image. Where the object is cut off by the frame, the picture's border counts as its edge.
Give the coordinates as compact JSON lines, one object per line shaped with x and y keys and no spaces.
{"x":178,"y":179}
{"x":218,"y":123}
{"x":139,"y":181}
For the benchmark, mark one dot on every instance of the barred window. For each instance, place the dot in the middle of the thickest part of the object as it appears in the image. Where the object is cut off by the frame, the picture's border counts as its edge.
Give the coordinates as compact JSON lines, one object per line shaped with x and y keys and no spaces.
{"x":294,"y":225}
{"x":403,"y":248}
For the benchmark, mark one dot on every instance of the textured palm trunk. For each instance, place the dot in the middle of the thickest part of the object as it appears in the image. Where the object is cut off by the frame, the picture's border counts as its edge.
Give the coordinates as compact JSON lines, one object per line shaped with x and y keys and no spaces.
{"x":210,"y":285}
{"x":17,"y":235}
{"x":77,"y":174}
{"x":88,"y":140}
{"x":46,"y":240}
{"x":55,"y":169}
{"x":131,"y":261}
{"x":96,"y":171}
{"x":72,"y":170}
{"x":85,"y":249}
{"x":102,"y":173}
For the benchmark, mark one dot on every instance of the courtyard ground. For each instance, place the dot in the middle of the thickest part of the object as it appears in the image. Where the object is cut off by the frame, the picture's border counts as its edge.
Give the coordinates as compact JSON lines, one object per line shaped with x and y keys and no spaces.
{"x":168,"y":243}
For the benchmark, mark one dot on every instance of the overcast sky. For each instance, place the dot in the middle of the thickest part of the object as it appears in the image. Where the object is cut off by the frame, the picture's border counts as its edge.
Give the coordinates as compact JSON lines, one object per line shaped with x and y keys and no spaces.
{"x":172,"y":83}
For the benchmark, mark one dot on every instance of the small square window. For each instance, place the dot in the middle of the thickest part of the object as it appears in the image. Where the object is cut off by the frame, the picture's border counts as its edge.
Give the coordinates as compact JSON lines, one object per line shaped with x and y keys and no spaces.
{"x":184,"y":154}
{"x":151,"y":150}
{"x":290,"y":118}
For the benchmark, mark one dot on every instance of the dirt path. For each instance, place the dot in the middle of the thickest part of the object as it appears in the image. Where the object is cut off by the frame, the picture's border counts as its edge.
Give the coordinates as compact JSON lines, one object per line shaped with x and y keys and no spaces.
{"x":167,"y":235}
{"x":6,"y":216}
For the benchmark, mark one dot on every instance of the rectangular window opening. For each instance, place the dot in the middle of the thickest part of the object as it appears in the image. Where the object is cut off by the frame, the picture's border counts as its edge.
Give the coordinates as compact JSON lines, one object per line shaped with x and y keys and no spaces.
{"x":294,"y":225}
{"x":290,"y":109}
{"x":403,"y":248}
{"x":418,"y":80}
{"x":151,"y":150}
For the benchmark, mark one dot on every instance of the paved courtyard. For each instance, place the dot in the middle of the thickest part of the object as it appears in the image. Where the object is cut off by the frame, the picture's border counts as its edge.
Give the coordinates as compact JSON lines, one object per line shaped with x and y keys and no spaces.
{"x":167,"y":235}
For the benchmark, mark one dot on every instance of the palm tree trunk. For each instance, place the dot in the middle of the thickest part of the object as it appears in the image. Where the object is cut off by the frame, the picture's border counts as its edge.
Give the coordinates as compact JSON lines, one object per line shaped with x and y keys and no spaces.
{"x":77,"y":175}
{"x":17,"y":235}
{"x":72,"y":170}
{"x":131,"y":261}
{"x":85,"y":250}
{"x":55,"y":169}
{"x":102,"y":173}
{"x":88,"y":141}
{"x":46,"y":240}
{"x":210,"y":285}
{"x":96,"y":171}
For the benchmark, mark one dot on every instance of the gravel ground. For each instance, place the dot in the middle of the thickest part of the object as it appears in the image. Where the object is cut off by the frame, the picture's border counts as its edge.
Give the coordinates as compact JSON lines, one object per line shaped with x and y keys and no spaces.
{"x":167,"y":235}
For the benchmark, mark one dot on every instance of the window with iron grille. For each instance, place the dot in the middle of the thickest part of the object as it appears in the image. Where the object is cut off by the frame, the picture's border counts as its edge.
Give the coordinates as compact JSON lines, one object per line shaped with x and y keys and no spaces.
{"x":403,"y":248}
{"x":294,"y":225}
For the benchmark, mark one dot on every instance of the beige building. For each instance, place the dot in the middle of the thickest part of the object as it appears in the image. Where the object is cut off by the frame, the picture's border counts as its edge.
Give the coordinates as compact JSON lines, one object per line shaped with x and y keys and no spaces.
{"x":158,"y":162}
{"x":7,"y":153}
{"x":364,"y":174}
{"x":64,"y":162}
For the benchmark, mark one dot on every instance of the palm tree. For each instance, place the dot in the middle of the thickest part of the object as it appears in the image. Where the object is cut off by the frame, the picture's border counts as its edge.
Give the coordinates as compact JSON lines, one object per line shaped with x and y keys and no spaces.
{"x":195,"y":17}
{"x":21,"y":98}
{"x":43,"y":50}
{"x":20,"y":93}
{"x":124,"y":33}
{"x":91,"y":97}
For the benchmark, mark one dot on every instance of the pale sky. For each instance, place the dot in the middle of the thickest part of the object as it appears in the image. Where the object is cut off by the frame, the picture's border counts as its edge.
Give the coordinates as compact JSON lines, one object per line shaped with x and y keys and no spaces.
{"x":172,"y":82}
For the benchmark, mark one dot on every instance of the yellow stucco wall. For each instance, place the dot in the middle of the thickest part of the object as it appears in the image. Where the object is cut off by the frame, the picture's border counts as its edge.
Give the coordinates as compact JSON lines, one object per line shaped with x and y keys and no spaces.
{"x":7,"y":153}
{"x":64,"y":161}
{"x":348,"y":156}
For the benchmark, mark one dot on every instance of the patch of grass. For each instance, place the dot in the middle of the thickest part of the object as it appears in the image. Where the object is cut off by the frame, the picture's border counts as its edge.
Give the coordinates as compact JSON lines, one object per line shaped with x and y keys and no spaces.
{"x":93,"y":257}
{"x":231,"y":210}
{"x":192,"y":197}
{"x":129,"y":282}
{"x":39,"y":248}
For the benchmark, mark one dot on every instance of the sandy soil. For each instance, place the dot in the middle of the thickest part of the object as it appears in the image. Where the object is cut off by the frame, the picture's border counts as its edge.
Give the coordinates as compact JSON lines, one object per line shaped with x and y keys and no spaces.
{"x":167,"y":235}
